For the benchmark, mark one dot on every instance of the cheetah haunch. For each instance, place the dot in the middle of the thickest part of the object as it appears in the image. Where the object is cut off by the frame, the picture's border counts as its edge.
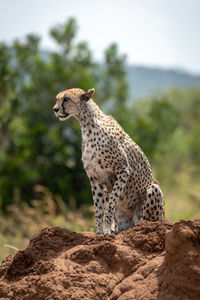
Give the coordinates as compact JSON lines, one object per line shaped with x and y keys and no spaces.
{"x":123,"y":188}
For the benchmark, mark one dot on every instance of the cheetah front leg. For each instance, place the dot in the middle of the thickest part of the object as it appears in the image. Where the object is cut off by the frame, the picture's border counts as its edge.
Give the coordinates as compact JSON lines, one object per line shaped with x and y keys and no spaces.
{"x":122,"y":177}
{"x":98,"y":198}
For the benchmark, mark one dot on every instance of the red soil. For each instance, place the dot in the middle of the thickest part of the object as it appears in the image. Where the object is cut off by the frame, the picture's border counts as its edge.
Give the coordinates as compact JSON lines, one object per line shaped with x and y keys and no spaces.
{"x":150,"y":261}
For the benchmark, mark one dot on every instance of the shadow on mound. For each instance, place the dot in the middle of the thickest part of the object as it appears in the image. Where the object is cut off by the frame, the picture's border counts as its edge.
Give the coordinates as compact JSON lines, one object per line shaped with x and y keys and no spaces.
{"x":150,"y":261}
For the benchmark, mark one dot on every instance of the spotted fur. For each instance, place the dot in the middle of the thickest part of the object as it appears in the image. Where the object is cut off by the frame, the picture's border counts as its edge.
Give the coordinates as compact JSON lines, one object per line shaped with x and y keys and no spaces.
{"x":123,"y":188}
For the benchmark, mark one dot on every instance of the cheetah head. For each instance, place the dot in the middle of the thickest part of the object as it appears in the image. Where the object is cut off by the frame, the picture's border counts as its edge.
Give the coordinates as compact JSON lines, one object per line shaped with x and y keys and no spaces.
{"x":70,"y":102}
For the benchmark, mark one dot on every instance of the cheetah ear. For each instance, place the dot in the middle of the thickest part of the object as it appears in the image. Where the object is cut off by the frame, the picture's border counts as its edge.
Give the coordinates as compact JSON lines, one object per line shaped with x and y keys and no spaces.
{"x":87,"y":95}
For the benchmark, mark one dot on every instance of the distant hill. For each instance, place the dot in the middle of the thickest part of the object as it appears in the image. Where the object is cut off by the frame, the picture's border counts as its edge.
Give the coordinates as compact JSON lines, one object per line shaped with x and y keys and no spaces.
{"x":144,"y":81}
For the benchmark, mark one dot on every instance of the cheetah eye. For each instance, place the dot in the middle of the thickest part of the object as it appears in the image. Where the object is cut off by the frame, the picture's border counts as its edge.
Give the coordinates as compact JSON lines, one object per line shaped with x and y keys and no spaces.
{"x":66,"y":99}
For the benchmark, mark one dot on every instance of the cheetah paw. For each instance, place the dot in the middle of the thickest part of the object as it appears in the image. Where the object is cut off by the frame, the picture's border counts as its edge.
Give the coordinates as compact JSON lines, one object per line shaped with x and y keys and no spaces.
{"x":107,"y":230}
{"x":99,"y":232}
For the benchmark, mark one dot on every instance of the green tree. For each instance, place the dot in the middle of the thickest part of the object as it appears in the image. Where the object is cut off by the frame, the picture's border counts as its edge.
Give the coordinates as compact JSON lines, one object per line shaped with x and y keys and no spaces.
{"x":154,"y":124}
{"x":36,"y":148}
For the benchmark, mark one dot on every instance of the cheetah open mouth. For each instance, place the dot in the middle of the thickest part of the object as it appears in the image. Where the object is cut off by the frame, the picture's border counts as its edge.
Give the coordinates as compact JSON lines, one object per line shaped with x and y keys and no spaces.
{"x":63,"y":117}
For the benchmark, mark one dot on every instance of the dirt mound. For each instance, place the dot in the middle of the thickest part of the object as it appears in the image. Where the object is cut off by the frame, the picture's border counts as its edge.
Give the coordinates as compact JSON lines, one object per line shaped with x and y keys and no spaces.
{"x":150,"y":261}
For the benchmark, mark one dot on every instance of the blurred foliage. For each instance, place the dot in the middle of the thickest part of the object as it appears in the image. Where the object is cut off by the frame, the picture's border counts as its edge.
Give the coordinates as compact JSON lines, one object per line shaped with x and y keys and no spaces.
{"x":41,"y":156}
{"x":35,"y":147}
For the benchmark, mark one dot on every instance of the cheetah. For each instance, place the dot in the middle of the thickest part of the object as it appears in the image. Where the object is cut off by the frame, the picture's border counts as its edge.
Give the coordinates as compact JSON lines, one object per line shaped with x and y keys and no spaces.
{"x":123,"y":188}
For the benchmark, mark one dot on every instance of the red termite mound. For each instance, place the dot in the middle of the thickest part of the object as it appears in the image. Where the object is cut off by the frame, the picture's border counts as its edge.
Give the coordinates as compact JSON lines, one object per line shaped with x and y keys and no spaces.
{"x":150,"y":261}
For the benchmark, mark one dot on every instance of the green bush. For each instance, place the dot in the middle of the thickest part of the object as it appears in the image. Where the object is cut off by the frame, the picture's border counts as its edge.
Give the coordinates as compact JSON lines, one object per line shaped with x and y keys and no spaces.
{"x":35,"y":147}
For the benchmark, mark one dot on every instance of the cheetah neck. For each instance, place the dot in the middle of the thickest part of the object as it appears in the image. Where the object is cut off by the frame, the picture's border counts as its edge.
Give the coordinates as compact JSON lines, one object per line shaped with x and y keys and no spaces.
{"x":90,"y":117}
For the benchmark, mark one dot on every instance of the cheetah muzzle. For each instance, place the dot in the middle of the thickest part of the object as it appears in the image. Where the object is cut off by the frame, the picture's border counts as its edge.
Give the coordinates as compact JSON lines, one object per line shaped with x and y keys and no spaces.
{"x":123,"y":187}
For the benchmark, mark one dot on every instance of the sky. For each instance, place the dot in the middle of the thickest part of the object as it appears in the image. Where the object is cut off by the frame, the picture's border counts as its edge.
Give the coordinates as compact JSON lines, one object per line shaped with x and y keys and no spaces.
{"x":159,"y":33}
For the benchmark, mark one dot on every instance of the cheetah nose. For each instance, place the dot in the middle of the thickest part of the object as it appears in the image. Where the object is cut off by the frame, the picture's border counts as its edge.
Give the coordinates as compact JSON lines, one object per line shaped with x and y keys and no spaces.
{"x":56,"y":109}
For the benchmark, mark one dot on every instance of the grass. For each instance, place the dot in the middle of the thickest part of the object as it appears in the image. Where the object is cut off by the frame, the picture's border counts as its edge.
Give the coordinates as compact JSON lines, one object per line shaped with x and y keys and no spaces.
{"x":182,"y":201}
{"x":182,"y":198}
{"x":22,"y":221}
